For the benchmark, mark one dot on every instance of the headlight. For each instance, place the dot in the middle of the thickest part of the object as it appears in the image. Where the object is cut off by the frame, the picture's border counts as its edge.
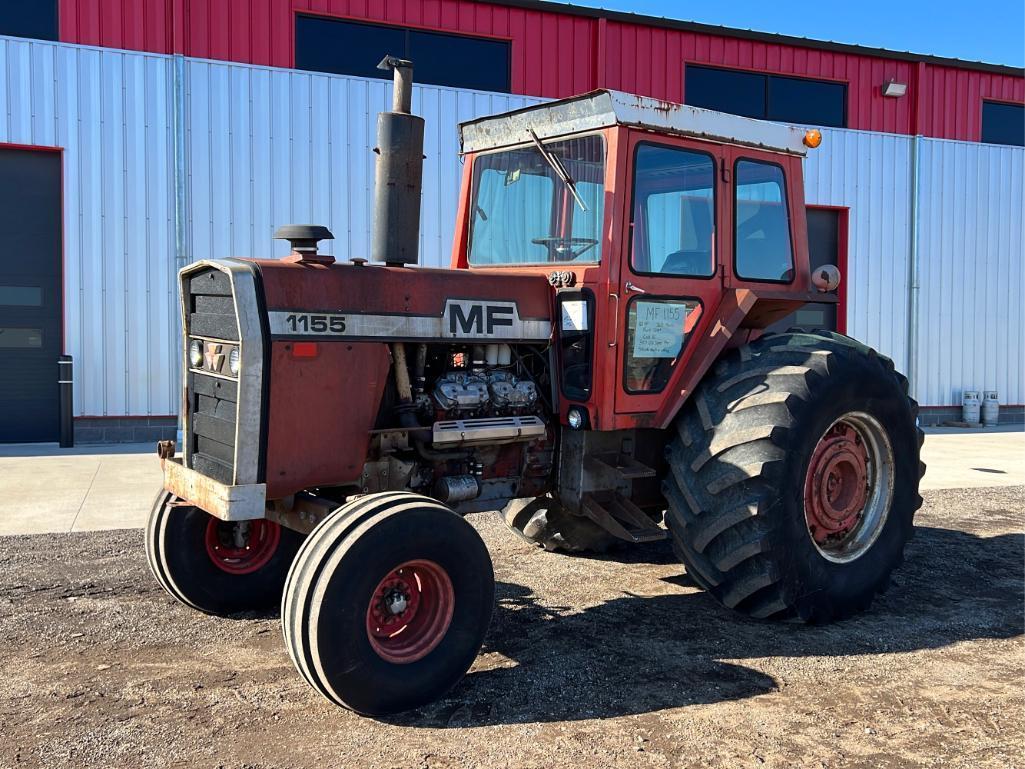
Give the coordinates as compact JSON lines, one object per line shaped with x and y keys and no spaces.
{"x":576,"y":418}
{"x":196,"y":354}
{"x":233,"y":361}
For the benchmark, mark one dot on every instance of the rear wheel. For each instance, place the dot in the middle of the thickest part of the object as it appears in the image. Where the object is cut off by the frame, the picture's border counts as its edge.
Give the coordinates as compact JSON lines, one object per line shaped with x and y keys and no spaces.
{"x":218,"y":567}
{"x":387,"y":603}
{"x":546,"y":523}
{"x":794,"y":477}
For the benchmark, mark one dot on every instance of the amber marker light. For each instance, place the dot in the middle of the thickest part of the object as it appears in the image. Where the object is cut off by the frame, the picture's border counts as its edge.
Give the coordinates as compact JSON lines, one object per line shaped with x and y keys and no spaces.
{"x":812,"y":138}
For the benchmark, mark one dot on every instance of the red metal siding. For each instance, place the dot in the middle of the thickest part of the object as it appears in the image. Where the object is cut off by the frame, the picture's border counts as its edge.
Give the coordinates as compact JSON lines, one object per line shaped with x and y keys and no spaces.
{"x":651,"y":61}
{"x":952,"y":100}
{"x":554,"y":54}
{"x":139,"y":25}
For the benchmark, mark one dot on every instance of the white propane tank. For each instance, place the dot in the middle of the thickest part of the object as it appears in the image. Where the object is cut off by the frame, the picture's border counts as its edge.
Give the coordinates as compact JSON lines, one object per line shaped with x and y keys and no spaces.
{"x":990,"y":407}
{"x":970,"y":407}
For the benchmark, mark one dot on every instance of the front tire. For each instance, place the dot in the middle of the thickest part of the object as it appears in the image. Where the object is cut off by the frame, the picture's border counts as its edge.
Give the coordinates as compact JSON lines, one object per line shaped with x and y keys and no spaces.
{"x":387,"y":603}
{"x":794,"y":477}
{"x":215,"y":566}
{"x":544,"y":522}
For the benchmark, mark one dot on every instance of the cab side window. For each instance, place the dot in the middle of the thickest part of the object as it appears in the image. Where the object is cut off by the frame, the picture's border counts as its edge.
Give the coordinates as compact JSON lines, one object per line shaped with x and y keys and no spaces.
{"x":762,"y":238}
{"x":673,"y":212}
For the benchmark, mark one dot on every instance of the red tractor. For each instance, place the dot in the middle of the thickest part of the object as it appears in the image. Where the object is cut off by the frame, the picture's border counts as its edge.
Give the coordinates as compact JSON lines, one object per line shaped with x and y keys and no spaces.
{"x":595,"y":364}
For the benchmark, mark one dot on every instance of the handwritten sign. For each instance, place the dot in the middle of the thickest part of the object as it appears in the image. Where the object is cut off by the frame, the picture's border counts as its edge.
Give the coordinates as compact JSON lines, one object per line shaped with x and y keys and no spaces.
{"x":659,"y":329}
{"x":574,"y":315}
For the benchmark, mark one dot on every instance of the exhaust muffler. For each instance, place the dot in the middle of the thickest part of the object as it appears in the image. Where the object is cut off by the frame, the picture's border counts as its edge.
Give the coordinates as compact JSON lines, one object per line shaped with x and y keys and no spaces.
{"x":398,"y":178}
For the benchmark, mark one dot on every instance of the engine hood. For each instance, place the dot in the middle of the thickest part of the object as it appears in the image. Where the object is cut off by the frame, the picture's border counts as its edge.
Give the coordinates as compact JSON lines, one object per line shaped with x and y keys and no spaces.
{"x":379,"y":303}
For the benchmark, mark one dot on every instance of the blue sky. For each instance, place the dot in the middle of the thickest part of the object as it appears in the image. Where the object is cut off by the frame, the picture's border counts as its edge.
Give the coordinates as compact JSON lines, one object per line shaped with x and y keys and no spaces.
{"x":992,"y":31}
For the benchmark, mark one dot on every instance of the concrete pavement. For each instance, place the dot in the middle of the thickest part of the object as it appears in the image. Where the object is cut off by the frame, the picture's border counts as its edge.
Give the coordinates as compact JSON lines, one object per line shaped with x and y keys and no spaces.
{"x":47,"y":489}
{"x":44,"y":488}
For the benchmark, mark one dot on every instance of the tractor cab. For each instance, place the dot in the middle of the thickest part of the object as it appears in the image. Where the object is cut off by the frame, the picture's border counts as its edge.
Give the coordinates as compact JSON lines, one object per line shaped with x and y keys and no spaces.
{"x":658,"y":224}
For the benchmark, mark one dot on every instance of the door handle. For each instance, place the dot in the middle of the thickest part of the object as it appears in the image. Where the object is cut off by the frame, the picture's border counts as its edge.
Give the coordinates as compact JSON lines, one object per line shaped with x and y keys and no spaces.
{"x":631,"y":287}
{"x":615,"y":316}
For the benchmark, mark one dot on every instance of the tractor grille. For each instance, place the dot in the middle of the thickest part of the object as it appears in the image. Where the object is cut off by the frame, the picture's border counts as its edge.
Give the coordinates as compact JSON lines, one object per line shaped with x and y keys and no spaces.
{"x":212,"y":400}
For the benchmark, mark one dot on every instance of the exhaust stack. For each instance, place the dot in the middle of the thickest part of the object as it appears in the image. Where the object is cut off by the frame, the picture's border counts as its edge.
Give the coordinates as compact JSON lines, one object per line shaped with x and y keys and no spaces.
{"x":399,"y":173}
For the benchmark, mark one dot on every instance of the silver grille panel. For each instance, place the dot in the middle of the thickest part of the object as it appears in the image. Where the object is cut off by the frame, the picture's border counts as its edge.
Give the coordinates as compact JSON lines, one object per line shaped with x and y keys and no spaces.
{"x":468,"y":432}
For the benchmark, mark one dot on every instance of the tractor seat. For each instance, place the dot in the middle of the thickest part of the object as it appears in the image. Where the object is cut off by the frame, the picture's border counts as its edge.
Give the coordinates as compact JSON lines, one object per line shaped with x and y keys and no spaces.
{"x":688,"y":263}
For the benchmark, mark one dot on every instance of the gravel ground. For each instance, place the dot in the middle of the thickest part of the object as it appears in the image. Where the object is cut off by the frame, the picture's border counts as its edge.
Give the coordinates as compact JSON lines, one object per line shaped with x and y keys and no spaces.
{"x":617,"y":662}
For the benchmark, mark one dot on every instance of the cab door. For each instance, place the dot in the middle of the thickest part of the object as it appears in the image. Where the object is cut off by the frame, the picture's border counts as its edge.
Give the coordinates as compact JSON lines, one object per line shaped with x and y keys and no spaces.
{"x":671,"y":270}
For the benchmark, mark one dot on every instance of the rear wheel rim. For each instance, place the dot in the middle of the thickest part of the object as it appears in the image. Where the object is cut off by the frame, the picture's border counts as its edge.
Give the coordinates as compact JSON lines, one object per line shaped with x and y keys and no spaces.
{"x":410,"y":611}
{"x":848,"y":487}
{"x":241,"y":547}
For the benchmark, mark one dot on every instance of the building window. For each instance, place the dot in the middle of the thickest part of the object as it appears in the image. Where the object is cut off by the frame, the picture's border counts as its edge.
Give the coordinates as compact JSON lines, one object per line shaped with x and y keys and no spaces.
{"x":355,"y":48}
{"x":1003,"y":123}
{"x":761,"y":242}
{"x":29,"y":18}
{"x":767,"y":97}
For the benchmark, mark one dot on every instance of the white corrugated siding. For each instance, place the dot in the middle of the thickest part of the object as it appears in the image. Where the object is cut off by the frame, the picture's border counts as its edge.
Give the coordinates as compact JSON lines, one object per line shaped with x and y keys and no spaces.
{"x":110,"y":112}
{"x":267,"y":147}
{"x":972,"y":238}
{"x":870,"y":173}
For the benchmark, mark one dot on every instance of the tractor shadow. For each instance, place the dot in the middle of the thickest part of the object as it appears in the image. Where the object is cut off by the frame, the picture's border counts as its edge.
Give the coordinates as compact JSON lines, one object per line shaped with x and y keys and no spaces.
{"x":637,"y":654}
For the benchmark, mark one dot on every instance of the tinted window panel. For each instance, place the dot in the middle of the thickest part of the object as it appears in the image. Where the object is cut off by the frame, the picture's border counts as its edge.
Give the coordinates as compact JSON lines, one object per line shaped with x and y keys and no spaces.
{"x":458,"y":61}
{"x":795,"y":100}
{"x":345,"y":47}
{"x":674,"y":212}
{"x":762,"y":240}
{"x":1003,"y":123}
{"x":13,"y":338}
{"x":524,"y":214}
{"x":29,"y":18}
{"x":21,"y":296}
{"x":514,"y":211}
{"x":767,"y":97}
{"x":741,"y":93}
{"x":352,"y":48}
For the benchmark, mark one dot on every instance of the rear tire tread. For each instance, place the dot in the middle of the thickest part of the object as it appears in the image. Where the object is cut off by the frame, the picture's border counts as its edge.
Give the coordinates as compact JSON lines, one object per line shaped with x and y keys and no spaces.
{"x":729,"y":454}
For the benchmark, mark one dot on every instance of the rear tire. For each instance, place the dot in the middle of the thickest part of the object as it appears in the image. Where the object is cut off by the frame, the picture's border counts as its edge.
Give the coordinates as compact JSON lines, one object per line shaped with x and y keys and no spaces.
{"x":387,"y":603}
{"x":794,"y":477}
{"x":547,"y":524}
{"x":197,"y":558}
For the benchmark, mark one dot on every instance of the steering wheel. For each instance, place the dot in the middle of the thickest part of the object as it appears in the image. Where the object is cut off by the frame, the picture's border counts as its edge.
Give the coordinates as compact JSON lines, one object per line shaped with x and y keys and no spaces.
{"x":561,"y":249}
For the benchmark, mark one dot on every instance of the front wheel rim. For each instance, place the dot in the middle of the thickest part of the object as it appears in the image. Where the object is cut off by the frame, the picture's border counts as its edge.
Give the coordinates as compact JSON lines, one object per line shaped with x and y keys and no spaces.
{"x":848,"y":487}
{"x":241,"y":547}
{"x":410,"y":611}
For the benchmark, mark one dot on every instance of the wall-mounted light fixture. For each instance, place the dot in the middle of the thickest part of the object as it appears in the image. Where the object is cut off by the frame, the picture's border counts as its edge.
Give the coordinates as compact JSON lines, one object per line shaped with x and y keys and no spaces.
{"x":894,"y":89}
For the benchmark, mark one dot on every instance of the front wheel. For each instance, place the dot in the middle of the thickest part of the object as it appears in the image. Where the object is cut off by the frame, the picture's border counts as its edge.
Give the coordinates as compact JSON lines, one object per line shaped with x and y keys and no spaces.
{"x":218,"y":567}
{"x":387,"y":603}
{"x":794,"y":477}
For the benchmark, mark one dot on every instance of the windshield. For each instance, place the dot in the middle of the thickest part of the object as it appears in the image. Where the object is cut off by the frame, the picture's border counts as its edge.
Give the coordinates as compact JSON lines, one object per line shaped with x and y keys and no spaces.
{"x":524,"y":211}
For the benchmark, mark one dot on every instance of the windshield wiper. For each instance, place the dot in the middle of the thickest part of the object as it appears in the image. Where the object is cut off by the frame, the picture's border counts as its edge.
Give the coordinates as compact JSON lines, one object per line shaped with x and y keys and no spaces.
{"x":559,"y":168}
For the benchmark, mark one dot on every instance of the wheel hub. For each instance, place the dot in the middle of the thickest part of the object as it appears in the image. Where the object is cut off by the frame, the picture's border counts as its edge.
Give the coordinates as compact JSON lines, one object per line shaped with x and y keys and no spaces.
{"x":241,"y":547}
{"x":410,"y":611}
{"x":837,"y":483}
{"x":848,"y":487}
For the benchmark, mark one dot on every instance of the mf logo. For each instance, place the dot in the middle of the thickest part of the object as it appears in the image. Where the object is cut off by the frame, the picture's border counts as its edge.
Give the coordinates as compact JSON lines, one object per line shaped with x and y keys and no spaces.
{"x":214,"y":357}
{"x":472,"y":318}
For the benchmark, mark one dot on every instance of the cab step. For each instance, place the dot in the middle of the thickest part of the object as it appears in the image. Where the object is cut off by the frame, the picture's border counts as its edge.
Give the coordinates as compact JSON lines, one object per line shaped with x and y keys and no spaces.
{"x":624,"y":465}
{"x":621,"y":517}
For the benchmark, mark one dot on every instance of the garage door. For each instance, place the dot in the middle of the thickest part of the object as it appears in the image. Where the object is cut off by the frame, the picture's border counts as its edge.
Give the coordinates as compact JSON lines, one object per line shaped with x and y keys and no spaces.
{"x":30,"y":294}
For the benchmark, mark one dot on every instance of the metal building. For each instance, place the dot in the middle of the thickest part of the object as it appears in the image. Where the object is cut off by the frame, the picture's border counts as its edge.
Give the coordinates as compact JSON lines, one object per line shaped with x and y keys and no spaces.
{"x":138,"y":136}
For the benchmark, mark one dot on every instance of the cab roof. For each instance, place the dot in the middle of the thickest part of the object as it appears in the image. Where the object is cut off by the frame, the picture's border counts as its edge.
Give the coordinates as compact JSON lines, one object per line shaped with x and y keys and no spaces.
{"x":604,"y":108}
